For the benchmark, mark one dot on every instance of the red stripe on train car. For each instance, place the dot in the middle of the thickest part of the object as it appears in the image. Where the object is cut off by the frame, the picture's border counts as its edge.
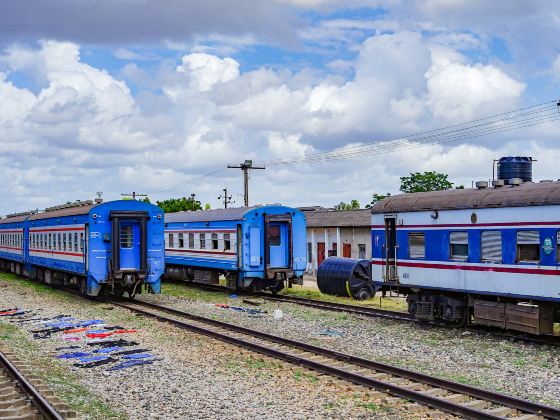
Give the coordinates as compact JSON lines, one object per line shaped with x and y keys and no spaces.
{"x":472,"y":225}
{"x":32,"y":230}
{"x":199,"y":251}
{"x":543,"y":271}
{"x":73,"y":254}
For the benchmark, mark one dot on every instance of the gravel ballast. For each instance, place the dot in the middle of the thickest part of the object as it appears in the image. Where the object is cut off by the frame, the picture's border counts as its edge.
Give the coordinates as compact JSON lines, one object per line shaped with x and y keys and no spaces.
{"x":529,"y":371}
{"x":197,"y":377}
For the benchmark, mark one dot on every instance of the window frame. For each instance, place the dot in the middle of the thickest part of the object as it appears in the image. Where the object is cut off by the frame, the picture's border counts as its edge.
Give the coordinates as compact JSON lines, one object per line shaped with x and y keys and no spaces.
{"x":461,"y":257}
{"x":536,"y":246}
{"x":417,"y":234}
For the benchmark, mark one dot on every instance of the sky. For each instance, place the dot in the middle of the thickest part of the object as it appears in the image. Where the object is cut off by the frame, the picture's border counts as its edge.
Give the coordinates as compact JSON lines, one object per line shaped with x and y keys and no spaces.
{"x":158,"y":97}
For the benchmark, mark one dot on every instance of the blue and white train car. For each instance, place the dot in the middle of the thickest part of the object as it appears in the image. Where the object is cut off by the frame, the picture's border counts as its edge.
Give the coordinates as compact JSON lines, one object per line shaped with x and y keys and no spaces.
{"x":255,"y":248}
{"x":12,"y":243}
{"x":489,"y":256}
{"x":115,"y":246}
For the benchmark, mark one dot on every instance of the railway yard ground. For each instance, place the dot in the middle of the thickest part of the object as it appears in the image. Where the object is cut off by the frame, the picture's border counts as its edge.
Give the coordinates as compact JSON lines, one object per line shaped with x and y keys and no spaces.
{"x":196,"y":376}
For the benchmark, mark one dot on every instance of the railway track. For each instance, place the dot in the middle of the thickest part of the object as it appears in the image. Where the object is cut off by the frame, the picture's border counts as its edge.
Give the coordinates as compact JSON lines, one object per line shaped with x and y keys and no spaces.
{"x":552,"y":340}
{"x":23,"y":396}
{"x":438,"y":394}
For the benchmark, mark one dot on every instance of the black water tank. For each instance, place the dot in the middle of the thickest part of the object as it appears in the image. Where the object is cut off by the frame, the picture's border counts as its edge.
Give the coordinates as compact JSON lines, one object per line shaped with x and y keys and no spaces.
{"x":345,"y":277}
{"x":515,"y":167}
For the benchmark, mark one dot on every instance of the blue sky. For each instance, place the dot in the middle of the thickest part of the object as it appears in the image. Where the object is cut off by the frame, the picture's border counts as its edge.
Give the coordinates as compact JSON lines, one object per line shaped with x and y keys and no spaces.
{"x":137,"y":96}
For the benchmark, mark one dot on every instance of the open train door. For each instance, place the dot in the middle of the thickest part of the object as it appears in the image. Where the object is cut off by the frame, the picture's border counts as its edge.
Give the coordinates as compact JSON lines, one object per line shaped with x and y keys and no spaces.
{"x":278,"y":241}
{"x":391,"y":247}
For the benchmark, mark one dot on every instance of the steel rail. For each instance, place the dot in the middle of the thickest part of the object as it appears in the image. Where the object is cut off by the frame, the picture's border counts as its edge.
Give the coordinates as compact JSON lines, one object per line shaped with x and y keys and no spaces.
{"x":46,"y":409}
{"x":432,"y":401}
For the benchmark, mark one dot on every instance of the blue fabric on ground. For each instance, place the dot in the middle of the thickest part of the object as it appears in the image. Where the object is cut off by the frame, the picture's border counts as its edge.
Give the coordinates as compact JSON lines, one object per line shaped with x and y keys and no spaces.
{"x":97,"y":331}
{"x":74,"y":355}
{"x":108,"y":349}
{"x":87,"y":323}
{"x":138,"y":356}
{"x":89,"y":359}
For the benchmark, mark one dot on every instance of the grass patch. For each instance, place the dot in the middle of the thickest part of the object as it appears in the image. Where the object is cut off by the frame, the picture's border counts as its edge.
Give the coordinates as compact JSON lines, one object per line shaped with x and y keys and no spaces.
{"x":388,"y":303}
{"x":305,"y":376}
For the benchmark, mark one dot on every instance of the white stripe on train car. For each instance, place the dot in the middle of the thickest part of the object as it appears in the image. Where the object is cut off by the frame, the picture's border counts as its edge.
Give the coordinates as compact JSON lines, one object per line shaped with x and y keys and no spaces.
{"x":58,"y":255}
{"x":504,"y":279}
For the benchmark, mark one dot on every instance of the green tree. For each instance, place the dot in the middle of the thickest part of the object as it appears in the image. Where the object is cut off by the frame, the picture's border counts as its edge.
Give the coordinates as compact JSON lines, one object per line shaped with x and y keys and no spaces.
{"x":377,"y":197}
{"x":146,"y":200}
{"x":427,"y":181}
{"x":172,"y":205}
{"x":353,"y":205}
{"x":207,"y":206}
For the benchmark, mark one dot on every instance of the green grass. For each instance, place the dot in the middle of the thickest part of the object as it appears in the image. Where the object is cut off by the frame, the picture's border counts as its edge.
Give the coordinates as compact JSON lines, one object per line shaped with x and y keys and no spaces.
{"x":63,"y":383}
{"x":388,"y":303}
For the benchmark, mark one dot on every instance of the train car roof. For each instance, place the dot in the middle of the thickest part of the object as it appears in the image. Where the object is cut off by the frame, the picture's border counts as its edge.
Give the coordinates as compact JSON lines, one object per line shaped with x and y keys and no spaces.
{"x":233,"y":213}
{"x":527,"y":194}
{"x":71,"y":211}
{"x":14,"y":219}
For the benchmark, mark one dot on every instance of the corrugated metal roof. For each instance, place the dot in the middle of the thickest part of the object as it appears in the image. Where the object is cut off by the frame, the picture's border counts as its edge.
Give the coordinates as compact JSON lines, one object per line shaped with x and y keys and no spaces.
{"x":71,"y":211}
{"x":14,"y":219}
{"x":344,"y":218}
{"x":234,"y":213}
{"x":527,"y":194}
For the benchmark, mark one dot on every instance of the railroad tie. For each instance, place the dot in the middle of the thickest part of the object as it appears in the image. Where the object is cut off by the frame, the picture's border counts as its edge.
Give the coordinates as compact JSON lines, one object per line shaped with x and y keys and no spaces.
{"x":477,"y":404}
{"x":456,"y":398}
{"x":501,"y":411}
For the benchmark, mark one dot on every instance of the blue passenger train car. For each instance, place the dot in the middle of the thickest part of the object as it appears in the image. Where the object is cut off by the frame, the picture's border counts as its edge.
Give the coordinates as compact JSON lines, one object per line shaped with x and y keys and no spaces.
{"x":489,"y":256}
{"x":115,"y":246}
{"x":255,"y":248}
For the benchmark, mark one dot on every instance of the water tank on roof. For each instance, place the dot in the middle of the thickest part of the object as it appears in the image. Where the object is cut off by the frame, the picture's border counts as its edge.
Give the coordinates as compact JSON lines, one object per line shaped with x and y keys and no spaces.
{"x":515,"y":167}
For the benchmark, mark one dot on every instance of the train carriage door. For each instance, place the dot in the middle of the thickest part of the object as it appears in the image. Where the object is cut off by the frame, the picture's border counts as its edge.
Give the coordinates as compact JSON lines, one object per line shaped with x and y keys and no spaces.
{"x":129,"y":246}
{"x":391,"y":246}
{"x":278,"y":243}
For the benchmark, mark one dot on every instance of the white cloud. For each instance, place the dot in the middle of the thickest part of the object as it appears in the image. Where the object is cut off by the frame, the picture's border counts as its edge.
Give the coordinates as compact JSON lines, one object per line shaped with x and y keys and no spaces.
{"x":205,"y":70}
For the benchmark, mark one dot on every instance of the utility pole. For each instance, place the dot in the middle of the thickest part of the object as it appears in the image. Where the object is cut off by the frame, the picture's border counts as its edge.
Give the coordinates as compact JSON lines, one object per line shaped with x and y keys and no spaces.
{"x":225,"y":197}
{"x":134,"y":194}
{"x":193,"y":195}
{"x":245,"y":167}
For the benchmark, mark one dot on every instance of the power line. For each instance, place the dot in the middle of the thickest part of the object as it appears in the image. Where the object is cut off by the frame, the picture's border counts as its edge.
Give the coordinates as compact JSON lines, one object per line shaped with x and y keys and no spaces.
{"x":246,"y":167}
{"x":518,"y":119}
{"x":226,"y":198}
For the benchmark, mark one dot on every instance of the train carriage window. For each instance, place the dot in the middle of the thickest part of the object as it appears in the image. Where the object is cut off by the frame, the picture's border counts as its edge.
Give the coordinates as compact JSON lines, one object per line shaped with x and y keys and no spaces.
{"x":171,"y":241}
{"x":75,"y":241}
{"x":126,"y":236}
{"x":416,"y":245}
{"x":82,"y":242}
{"x":64,"y":241}
{"x":227,"y":242}
{"x":181,"y":241}
{"x":528,"y":246}
{"x":202,"y":241}
{"x":191,"y":240}
{"x":215,"y":241}
{"x":274,"y":235}
{"x":459,"y":245}
{"x":49,"y":241}
{"x":491,"y":246}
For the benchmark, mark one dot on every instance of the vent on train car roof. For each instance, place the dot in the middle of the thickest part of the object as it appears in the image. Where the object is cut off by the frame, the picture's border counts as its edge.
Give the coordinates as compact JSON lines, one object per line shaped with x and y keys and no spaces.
{"x":24,"y":213}
{"x":70,"y":204}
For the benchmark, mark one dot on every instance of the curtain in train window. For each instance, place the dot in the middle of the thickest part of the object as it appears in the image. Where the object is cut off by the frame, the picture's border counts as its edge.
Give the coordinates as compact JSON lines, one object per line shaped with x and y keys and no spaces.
{"x":76,"y":242}
{"x":416,"y":245}
{"x":215,"y":241}
{"x":181,"y":241}
{"x":227,"y":242}
{"x":191,"y":240}
{"x":491,"y":246}
{"x":459,"y":245}
{"x":528,"y":246}
{"x":202,"y":241}
{"x":171,"y":244}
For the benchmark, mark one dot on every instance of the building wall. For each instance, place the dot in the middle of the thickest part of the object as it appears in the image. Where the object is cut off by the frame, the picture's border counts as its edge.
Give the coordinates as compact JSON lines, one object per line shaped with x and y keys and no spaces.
{"x":330,"y":236}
